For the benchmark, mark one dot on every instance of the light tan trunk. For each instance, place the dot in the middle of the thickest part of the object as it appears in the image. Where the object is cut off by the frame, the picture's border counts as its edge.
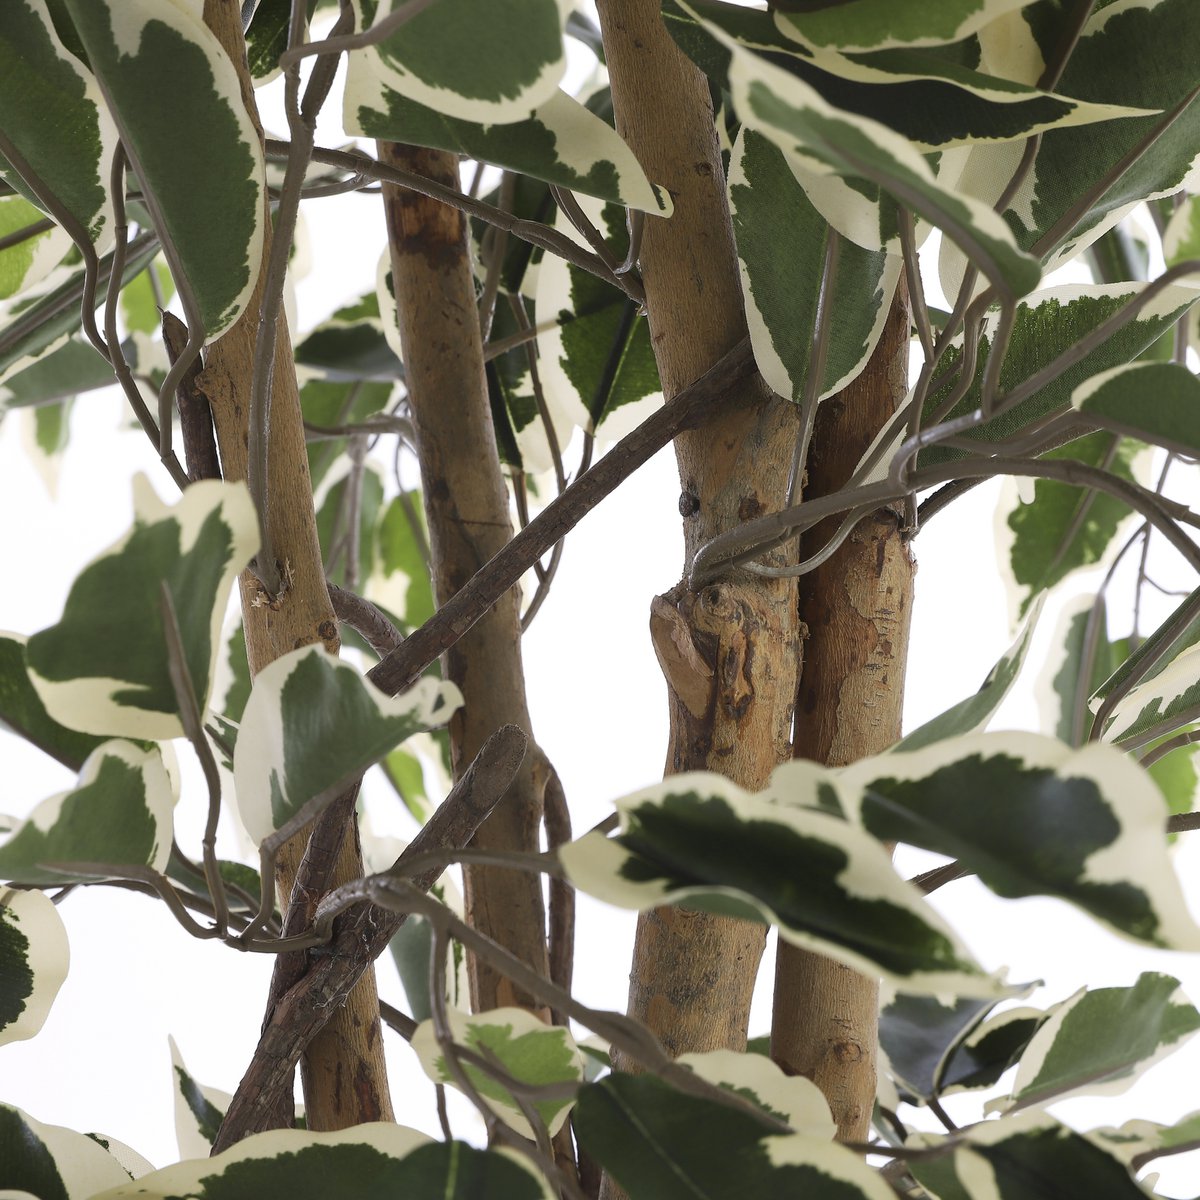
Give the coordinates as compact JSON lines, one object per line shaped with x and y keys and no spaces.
{"x":345,"y":1079}
{"x":466,"y":503}
{"x":728,"y":652}
{"x":857,"y":608}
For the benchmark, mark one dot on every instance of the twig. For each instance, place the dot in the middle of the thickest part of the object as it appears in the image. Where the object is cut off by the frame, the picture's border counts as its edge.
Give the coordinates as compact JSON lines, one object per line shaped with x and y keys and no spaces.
{"x":556,"y":817}
{"x":195,"y":414}
{"x":365,"y":618}
{"x":302,"y":1012}
{"x":558,"y":518}
{"x":9,"y":240}
{"x":338,"y":42}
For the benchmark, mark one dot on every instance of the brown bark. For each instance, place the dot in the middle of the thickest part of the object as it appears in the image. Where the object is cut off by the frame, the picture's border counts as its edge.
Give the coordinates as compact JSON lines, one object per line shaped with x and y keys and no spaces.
{"x":345,"y":1078}
{"x":466,"y":506}
{"x":728,"y":653}
{"x":857,"y":607}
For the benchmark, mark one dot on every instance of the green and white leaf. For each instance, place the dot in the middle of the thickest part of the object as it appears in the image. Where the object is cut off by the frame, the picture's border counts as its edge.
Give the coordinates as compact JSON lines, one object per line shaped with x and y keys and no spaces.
{"x":1100,"y":1040}
{"x":700,"y":840}
{"x":827,"y":141}
{"x":472,"y":59}
{"x":402,"y":582}
{"x":660,"y":1143}
{"x":162,"y":70}
{"x":883,"y":24}
{"x":312,"y":724}
{"x":104,"y":668}
{"x":561,"y":141}
{"x":919,"y":1034}
{"x":372,"y":1160}
{"x":330,"y":403}
{"x":34,"y":956}
{"x":56,"y":118}
{"x":1046,"y":325}
{"x":22,"y":711}
{"x":1027,"y":1155}
{"x":25,"y":263}
{"x":935,"y":102}
{"x":596,"y":361}
{"x":525,"y":1047}
{"x":70,"y":367}
{"x":411,"y":947}
{"x":139,"y":301}
{"x":1157,"y":402}
{"x":1030,"y":816}
{"x":336,"y":500}
{"x":50,"y":1161}
{"x":120,"y":812}
{"x":793,"y":1099}
{"x":1181,"y":238}
{"x":781,"y":246}
{"x":1137,"y":1137}
{"x":199,"y":1110}
{"x":351,"y":345}
{"x":1061,"y":528}
{"x":1171,"y":698}
{"x":973,"y":713}
{"x":989,"y":1050}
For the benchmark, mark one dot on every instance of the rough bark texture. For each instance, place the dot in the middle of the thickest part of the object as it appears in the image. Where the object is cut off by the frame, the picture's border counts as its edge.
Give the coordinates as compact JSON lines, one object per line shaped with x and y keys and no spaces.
{"x":466,"y":505}
{"x":728,"y":652}
{"x":857,"y":608}
{"x":345,"y":1078}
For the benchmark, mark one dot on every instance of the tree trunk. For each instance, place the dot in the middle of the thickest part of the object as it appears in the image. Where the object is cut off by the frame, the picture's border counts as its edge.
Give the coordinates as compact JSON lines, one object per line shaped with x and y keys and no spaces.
{"x":729,"y":652}
{"x":857,"y":607}
{"x":466,"y":504}
{"x":345,"y":1079}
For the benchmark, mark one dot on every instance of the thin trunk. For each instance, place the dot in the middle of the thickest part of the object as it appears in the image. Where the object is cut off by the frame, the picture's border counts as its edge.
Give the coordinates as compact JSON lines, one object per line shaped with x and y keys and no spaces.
{"x":345,"y":1078}
{"x":857,"y":608}
{"x":466,"y":504}
{"x":728,"y":652}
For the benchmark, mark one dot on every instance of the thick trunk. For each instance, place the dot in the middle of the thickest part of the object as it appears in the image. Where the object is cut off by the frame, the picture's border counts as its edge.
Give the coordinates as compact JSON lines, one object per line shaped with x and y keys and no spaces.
{"x":728,"y":652}
{"x":466,"y":504}
{"x":857,"y":607}
{"x":345,"y":1078}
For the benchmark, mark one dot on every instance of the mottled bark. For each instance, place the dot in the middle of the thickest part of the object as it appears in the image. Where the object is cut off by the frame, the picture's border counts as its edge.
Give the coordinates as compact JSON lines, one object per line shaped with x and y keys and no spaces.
{"x":857,"y":607}
{"x":345,"y":1079}
{"x":466,"y":506}
{"x":728,"y":652}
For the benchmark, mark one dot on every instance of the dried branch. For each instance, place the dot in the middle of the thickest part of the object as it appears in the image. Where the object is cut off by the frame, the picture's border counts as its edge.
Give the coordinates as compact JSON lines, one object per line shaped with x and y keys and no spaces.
{"x":195,"y":415}
{"x":365,"y":618}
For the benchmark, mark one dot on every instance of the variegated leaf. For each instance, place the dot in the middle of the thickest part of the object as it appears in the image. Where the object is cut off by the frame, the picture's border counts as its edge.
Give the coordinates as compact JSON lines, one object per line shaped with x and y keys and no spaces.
{"x":54,"y":115}
{"x":199,"y":1110}
{"x":596,"y":361}
{"x":329,"y":404}
{"x":793,"y":1099}
{"x":33,"y":961}
{"x":933,"y":101}
{"x":476,"y":60}
{"x":781,"y":246}
{"x":1156,"y":402}
{"x":26,"y":262}
{"x":1061,"y":528}
{"x":350,"y":345}
{"x":562,"y":141}
{"x":1135,"y":1138}
{"x":313,"y":723}
{"x":658,"y":1142}
{"x":973,"y":713}
{"x":50,"y":1161}
{"x":22,"y":711}
{"x":989,"y":1050}
{"x":1171,"y":699}
{"x":522,"y":1045}
{"x":120,"y":812}
{"x":827,"y":141}
{"x":1181,"y":238}
{"x":402,"y":581}
{"x":883,"y":24}
{"x":1100,"y":1040}
{"x":66,"y":370}
{"x":1047,"y":324}
{"x":375,"y":1159}
{"x":177,"y":103}
{"x":104,"y":667}
{"x":700,"y":840}
{"x":1028,"y":1155}
{"x":1030,"y":816}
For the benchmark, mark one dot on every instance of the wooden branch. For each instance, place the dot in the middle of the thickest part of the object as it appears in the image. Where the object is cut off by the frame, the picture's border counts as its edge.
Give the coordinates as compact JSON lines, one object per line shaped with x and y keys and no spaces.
{"x":360,"y":937}
{"x":716,"y":389}
{"x":195,"y":414}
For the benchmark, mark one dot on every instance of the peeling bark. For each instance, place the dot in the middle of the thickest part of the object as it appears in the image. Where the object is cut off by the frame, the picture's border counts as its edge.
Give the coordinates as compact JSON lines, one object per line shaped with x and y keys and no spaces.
{"x":345,"y":1078}
{"x":857,"y":608}
{"x":466,"y":506}
{"x":728,"y":652}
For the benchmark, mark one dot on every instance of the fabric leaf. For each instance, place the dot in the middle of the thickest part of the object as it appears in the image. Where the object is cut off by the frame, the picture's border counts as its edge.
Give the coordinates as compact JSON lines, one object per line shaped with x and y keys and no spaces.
{"x":33,"y":961}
